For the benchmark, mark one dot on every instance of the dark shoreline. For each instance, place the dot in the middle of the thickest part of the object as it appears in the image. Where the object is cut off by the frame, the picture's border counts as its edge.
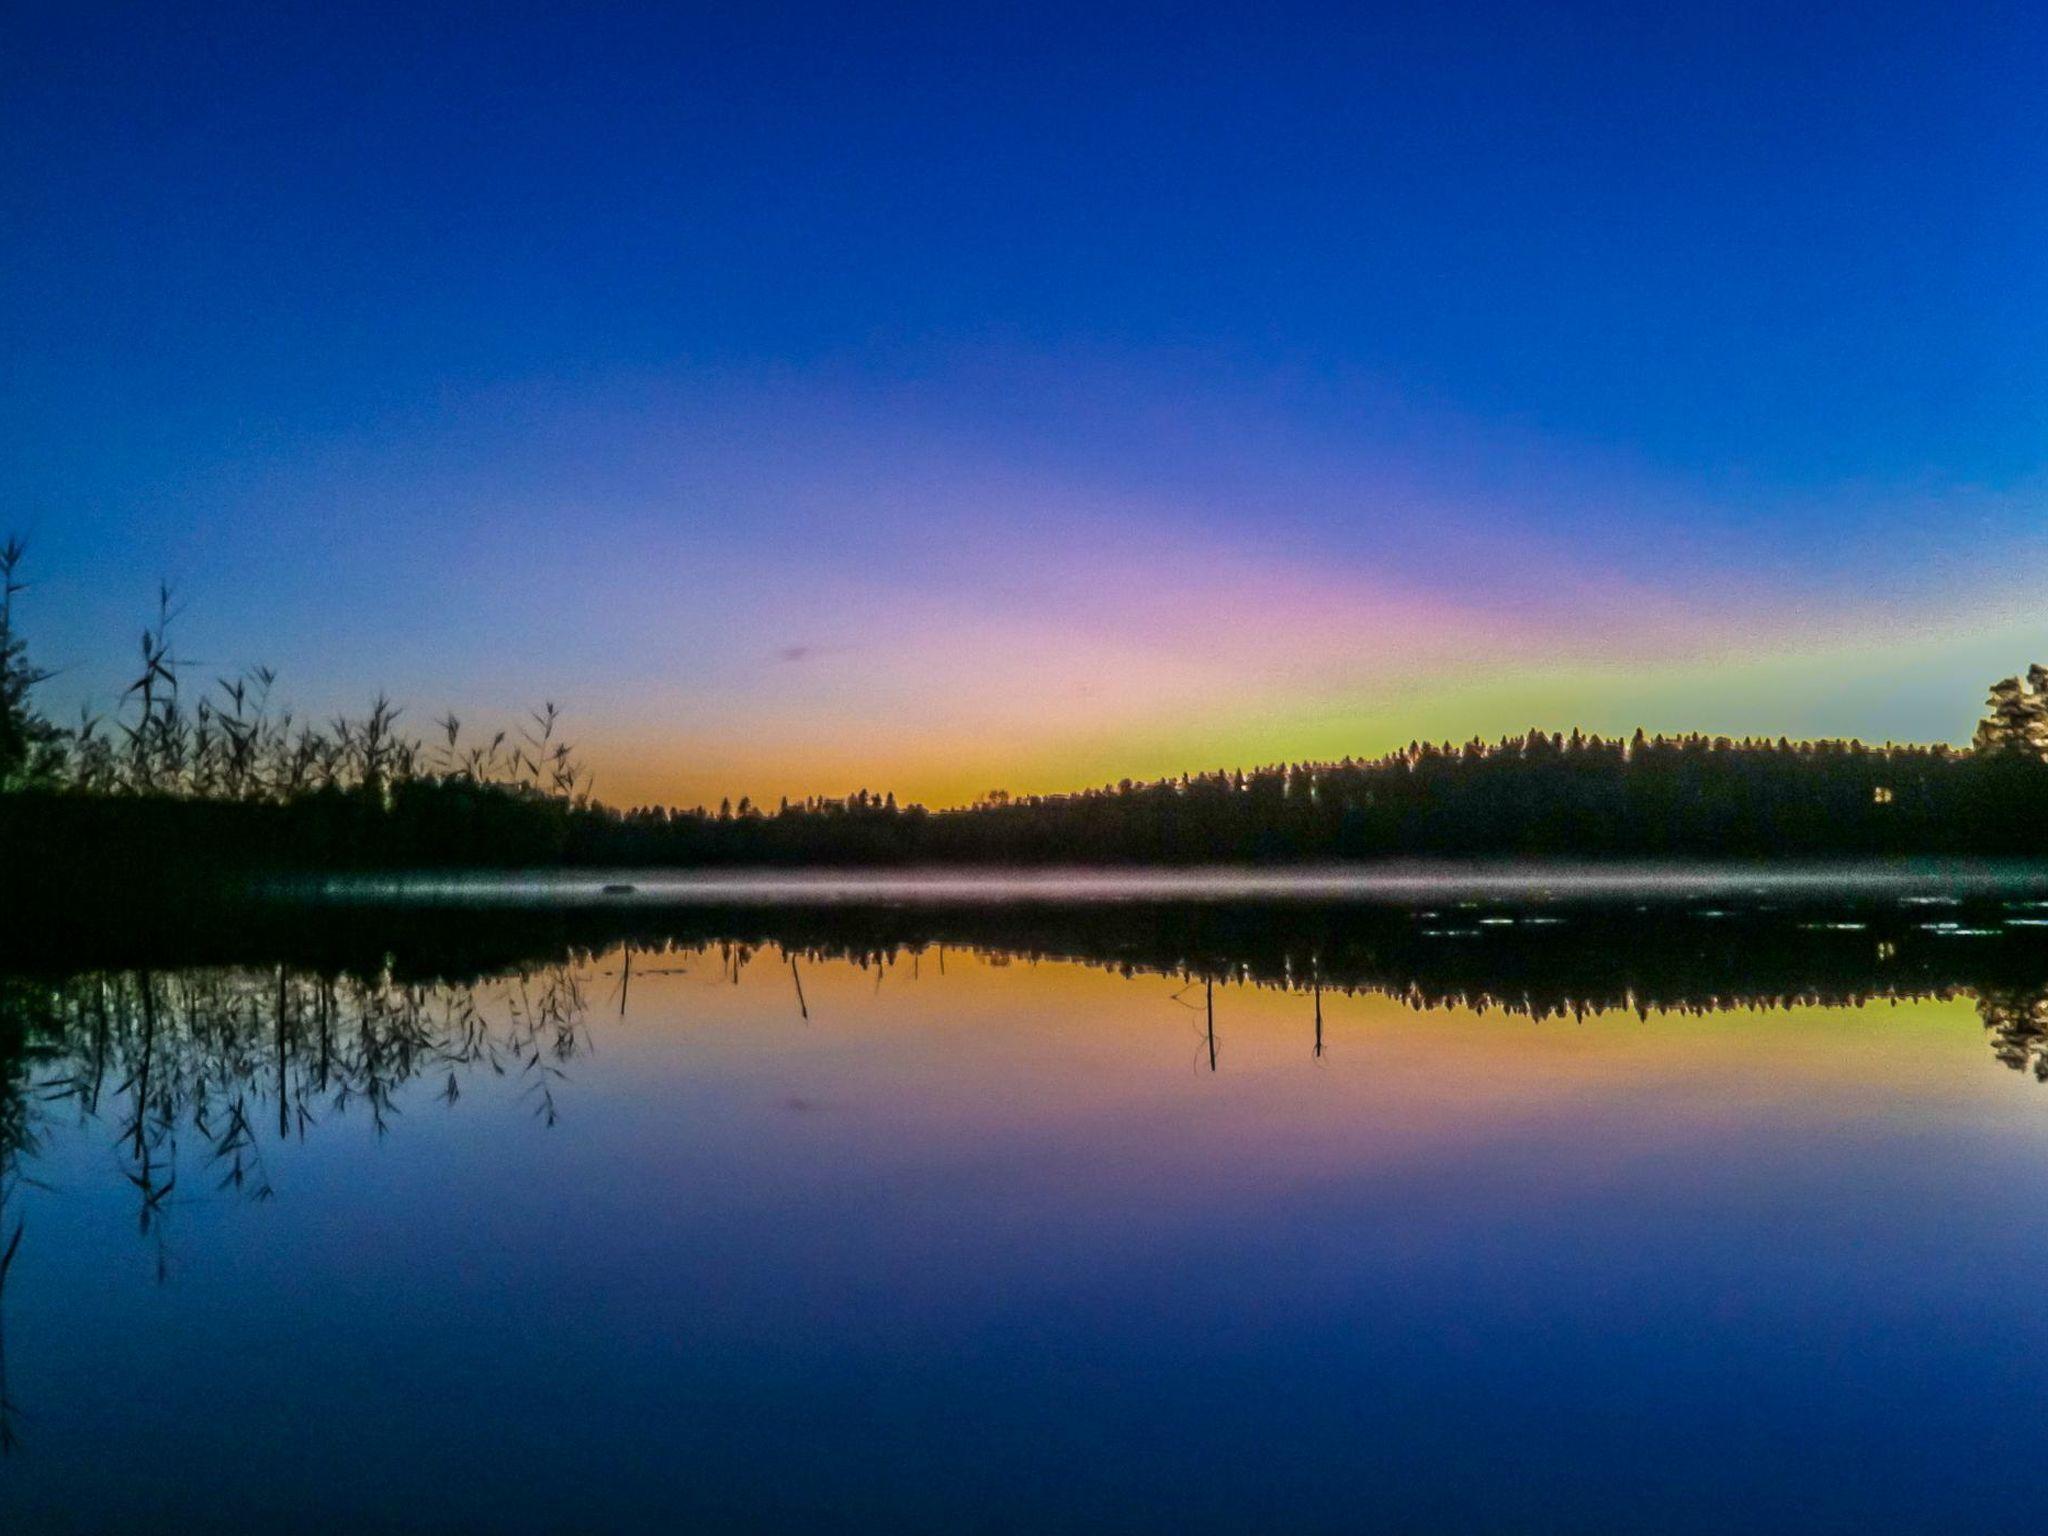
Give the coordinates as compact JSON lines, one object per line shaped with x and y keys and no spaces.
{"x":1525,"y":951}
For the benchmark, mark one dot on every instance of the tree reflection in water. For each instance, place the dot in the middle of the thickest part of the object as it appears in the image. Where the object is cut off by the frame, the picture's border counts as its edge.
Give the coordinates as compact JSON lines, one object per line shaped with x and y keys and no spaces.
{"x":189,"y":1070}
{"x":187,"y":1067}
{"x":2017,"y":1022}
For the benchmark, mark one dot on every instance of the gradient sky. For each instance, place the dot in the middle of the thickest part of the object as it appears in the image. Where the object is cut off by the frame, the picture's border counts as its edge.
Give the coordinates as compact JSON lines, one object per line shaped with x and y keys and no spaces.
{"x":936,"y":399}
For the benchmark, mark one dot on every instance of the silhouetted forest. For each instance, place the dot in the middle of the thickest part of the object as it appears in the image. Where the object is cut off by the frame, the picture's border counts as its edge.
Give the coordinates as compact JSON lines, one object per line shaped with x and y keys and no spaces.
{"x":205,"y":781}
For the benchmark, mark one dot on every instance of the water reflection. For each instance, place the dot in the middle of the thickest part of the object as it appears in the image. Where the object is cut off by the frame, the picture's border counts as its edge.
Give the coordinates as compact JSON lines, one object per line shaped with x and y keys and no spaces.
{"x":180,"y":1068}
{"x":951,"y":1201}
{"x":180,"y":1065}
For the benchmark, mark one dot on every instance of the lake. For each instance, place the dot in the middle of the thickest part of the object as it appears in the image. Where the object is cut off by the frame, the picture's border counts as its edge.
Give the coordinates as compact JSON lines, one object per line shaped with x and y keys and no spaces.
{"x":1465,"y":1205}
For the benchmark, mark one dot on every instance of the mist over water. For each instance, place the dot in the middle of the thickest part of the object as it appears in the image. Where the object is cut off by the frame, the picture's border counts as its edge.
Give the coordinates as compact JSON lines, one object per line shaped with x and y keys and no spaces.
{"x":1420,"y":881}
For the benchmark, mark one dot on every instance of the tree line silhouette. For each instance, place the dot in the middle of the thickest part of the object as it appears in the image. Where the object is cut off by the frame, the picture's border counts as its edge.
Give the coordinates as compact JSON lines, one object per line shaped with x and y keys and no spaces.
{"x":218,"y":779}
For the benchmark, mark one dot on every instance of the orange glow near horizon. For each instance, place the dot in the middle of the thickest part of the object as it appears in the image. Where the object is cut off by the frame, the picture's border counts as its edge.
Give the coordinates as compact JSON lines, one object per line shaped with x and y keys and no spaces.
{"x":947,"y":746}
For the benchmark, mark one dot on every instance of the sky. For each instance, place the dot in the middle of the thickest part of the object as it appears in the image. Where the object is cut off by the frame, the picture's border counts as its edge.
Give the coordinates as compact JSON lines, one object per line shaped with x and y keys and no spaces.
{"x":936,"y":399}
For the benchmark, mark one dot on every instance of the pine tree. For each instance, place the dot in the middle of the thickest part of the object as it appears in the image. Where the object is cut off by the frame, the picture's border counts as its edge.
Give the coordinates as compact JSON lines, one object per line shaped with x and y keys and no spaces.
{"x":2017,"y":722}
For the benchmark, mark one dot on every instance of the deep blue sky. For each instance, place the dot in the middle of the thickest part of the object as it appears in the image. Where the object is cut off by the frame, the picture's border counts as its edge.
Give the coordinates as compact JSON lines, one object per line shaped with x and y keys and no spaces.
{"x":316,"y":305}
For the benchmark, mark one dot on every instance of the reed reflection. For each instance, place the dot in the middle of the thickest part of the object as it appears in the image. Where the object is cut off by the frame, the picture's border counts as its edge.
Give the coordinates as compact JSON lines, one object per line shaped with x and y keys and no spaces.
{"x":182,"y":1070}
{"x":181,"y":1065}
{"x":193,"y":1075}
{"x":17,"y":1142}
{"x":186,"y":1069}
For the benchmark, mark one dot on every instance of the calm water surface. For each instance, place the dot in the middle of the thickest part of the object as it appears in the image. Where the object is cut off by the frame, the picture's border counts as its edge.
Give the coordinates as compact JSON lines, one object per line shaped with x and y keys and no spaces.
{"x":1114,"y":1227}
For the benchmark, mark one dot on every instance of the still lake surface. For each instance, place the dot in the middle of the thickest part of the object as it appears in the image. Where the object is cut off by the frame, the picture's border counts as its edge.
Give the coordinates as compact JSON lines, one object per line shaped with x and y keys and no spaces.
{"x":1466,"y":1207}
